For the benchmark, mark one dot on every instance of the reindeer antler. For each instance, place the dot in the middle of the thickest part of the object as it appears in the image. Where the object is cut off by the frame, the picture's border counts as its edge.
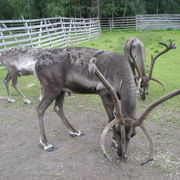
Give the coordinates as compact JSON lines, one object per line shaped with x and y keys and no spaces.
{"x":154,"y":58}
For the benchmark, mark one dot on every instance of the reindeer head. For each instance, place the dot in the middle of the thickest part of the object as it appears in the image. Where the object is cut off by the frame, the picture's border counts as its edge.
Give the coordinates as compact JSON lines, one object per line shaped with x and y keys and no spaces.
{"x":124,"y":127}
{"x":143,"y":80}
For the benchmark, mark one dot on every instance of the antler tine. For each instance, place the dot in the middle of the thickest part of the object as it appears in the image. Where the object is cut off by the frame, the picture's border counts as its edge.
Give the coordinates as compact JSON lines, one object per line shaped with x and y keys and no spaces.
{"x":170,"y":46}
{"x":103,"y":135}
{"x":150,"y":156}
{"x":140,"y":120}
{"x":153,"y":79}
{"x":154,"y":58}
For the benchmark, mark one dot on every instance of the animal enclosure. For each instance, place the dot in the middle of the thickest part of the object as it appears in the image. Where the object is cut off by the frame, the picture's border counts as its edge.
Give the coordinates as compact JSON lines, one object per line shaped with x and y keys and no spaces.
{"x":142,"y":22}
{"x":47,"y":32}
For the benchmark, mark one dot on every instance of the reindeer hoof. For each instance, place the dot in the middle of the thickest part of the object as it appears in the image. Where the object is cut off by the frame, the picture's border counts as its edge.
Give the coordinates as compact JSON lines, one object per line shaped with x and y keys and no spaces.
{"x":124,"y":157}
{"x":76,"y":134}
{"x":114,"y":144}
{"x":11,"y":100}
{"x":27,"y":101}
{"x":47,"y":148}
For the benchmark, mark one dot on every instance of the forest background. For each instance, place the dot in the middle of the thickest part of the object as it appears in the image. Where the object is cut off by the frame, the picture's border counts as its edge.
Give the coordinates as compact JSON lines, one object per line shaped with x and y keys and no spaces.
{"x":30,"y":9}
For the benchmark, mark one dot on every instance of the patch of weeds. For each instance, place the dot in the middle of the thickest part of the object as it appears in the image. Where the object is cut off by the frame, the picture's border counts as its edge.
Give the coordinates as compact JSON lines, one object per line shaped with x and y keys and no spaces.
{"x":20,"y":144}
{"x":174,"y":159}
{"x":2,"y":121}
{"x":146,"y":168}
{"x":51,"y":137}
{"x":141,"y":137}
{"x":158,"y":137}
{"x":53,"y":175}
{"x":175,"y":119}
{"x":14,"y":122}
{"x":27,"y":169}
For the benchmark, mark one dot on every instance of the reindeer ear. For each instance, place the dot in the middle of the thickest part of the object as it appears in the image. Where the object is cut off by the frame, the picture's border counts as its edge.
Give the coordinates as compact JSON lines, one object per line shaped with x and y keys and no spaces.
{"x":91,"y":65}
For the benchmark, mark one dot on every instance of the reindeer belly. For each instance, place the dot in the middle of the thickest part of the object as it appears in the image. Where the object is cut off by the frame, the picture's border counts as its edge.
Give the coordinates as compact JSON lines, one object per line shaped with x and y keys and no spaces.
{"x":81,"y":84}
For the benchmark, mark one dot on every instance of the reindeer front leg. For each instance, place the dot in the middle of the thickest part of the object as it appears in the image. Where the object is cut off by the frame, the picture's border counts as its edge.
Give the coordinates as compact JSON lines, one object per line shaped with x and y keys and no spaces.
{"x":41,"y":108}
{"x":6,"y":83}
{"x":109,"y":107}
{"x":14,"y":85}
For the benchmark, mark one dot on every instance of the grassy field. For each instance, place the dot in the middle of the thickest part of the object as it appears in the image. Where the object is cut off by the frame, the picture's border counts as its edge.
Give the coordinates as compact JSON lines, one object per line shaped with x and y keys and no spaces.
{"x":167,"y":68}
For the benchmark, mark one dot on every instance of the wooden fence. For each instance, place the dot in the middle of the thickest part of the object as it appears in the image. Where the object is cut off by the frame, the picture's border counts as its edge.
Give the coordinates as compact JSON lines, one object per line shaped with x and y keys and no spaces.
{"x":142,"y":22}
{"x":157,"y":21}
{"x":47,"y":32}
{"x":125,"y":23}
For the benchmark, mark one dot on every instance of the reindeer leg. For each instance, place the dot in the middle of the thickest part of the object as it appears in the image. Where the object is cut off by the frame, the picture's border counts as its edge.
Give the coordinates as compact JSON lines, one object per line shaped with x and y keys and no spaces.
{"x":41,"y":108}
{"x":14,"y":85}
{"x":41,"y":93}
{"x":58,"y":108}
{"x":109,"y":107}
{"x":6,"y":83}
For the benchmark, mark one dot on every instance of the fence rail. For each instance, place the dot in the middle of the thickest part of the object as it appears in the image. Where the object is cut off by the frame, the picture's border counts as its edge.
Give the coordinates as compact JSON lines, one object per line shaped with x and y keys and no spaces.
{"x":142,"y":22}
{"x":47,"y":32}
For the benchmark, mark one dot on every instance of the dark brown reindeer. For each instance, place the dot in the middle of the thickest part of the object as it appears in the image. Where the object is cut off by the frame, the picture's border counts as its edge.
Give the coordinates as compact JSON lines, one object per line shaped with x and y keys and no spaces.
{"x":122,"y":123}
{"x":67,"y":69}
{"x":135,"y":51}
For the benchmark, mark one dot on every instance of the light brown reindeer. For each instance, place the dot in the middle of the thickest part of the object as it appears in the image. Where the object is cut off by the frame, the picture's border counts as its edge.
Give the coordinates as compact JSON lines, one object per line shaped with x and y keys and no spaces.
{"x":135,"y":52}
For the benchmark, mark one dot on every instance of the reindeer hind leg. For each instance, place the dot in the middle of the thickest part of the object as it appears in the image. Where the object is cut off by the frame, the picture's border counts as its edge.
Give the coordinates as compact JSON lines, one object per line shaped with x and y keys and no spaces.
{"x":58,"y":108}
{"x":14,"y":85}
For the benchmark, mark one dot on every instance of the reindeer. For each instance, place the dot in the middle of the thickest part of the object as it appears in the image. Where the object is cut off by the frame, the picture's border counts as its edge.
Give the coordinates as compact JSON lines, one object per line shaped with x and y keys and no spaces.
{"x":18,"y":62}
{"x":67,"y":69}
{"x":135,"y":52}
{"x":122,"y":123}
{"x":70,"y":69}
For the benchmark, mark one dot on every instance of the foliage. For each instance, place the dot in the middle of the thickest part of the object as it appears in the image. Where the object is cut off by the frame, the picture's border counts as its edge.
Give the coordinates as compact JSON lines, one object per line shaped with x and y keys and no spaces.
{"x":15,"y":9}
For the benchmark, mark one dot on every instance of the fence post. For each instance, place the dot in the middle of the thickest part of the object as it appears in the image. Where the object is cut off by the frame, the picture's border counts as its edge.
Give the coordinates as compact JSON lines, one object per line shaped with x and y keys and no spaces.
{"x":4,"y":45}
{"x":40,"y":30}
{"x":64,"y":32}
{"x":28,"y":32}
{"x":47,"y":31}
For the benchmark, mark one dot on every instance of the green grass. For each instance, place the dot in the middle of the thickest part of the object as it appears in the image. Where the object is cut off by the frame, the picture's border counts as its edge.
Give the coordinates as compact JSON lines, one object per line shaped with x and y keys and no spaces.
{"x":167,"y":68}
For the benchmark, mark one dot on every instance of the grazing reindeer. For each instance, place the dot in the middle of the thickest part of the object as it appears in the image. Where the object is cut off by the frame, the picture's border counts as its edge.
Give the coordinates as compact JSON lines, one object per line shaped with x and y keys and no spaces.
{"x":123,"y":123}
{"x":136,"y":54}
{"x":135,"y":51}
{"x":68,"y":70}
{"x":18,"y":62}
{"x":71,"y":69}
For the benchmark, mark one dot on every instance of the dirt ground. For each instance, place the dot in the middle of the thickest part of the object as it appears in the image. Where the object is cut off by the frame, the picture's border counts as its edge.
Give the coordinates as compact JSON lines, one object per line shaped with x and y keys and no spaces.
{"x":81,"y":158}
